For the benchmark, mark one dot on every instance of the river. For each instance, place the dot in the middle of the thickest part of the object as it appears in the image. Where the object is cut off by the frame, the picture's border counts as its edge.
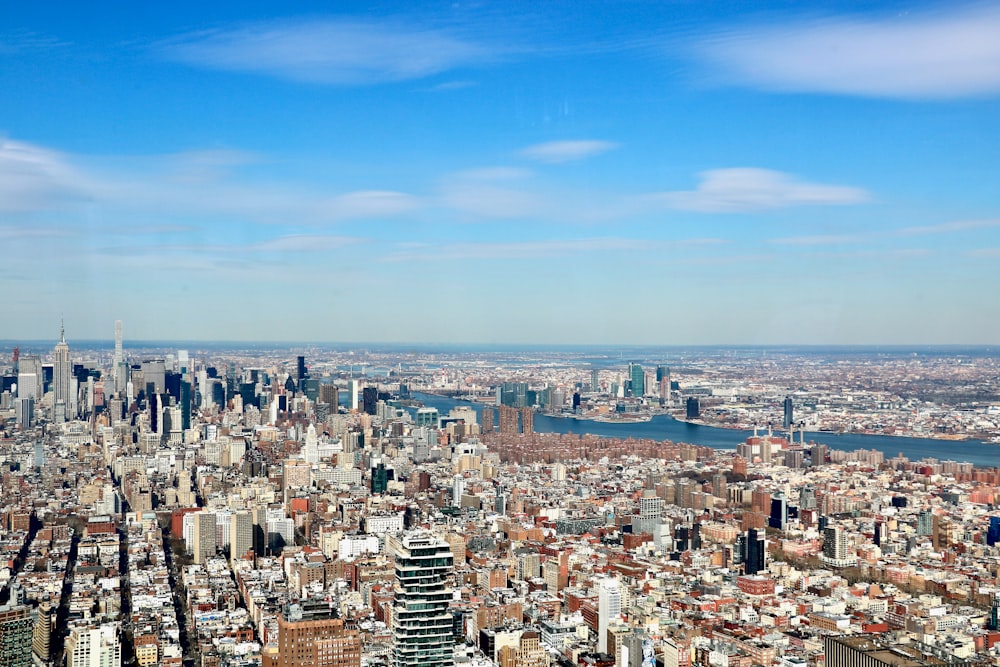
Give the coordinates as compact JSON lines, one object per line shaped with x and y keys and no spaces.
{"x":664,"y":427}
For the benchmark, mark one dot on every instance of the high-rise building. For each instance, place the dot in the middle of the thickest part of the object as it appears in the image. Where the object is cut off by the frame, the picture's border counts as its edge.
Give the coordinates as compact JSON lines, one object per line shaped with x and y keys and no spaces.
{"x":369,"y":400}
{"x":595,"y":380}
{"x":17,"y":624}
{"x":609,"y":608}
{"x":993,"y":532}
{"x":778,"y":517}
{"x":789,"y":414}
{"x":355,"y":387}
{"x":62,"y":374}
{"x":301,"y":373}
{"x":527,"y":420}
{"x":240,"y":534}
{"x":312,"y":634}
{"x":329,"y":394}
{"x":487,"y":419}
{"x":94,"y":647}
{"x":41,"y":635}
{"x":422,"y":624}
{"x":754,"y":550}
{"x":638,"y":380}
{"x":204,"y":541}
{"x":835,"y":551}
{"x":693,"y":408}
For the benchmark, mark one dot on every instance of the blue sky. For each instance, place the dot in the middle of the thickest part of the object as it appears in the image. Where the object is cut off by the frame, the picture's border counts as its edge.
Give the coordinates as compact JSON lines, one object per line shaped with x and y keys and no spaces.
{"x":575,"y":172}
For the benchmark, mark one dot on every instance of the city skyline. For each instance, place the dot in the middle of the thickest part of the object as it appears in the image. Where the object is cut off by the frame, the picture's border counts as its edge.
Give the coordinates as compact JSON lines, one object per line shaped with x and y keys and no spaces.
{"x":628,"y":174}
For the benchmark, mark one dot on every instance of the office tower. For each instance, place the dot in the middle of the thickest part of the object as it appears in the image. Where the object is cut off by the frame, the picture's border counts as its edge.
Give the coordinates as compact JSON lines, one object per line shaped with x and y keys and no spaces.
{"x":994,"y":621}
{"x":693,"y":408}
{"x":17,"y":624}
{"x":788,"y":410}
{"x":778,"y":517}
{"x":527,"y":420}
{"x":754,"y":550}
{"x":312,"y":634}
{"x":28,"y":385}
{"x":609,"y":608}
{"x":513,"y":394}
{"x":204,"y":536}
{"x":62,"y":372}
{"x":355,"y":387}
{"x":637,"y":379}
{"x":94,"y":647}
{"x":380,"y":479}
{"x":301,"y":373}
{"x":595,"y":380}
{"x":24,"y":409}
{"x":663,"y":378}
{"x":240,"y":534}
{"x":41,"y":635}
{"x":329,"y":394}
{"x":369,"y":400}
{"x":185,"y":405}
{"x":422,"y":624}
{"x":993,"y":532}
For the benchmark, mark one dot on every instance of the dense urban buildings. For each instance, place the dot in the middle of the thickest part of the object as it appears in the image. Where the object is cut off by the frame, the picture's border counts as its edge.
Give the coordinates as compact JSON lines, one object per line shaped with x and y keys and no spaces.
{"x":226,"y":508}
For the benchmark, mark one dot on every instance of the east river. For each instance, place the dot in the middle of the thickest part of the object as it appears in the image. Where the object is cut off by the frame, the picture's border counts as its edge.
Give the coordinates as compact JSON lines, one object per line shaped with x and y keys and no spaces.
{"x":664,"y":427}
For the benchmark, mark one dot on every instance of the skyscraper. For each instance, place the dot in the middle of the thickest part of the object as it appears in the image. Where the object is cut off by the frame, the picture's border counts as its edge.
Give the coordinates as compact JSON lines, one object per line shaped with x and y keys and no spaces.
{"x":240,"y":535}
{"x":638,"y":380}
{"x":754,"y":550}
{"x":62,"y":373}
{"x":17,"y":624}
{"x":789,"y":416}
{"x":204,"y":536}
{"x":422,"y":624}
{"x":609,"y":608}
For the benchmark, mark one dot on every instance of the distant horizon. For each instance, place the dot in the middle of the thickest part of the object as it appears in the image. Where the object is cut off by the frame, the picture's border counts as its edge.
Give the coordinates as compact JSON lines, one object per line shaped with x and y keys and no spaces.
{"x":87,"y":343}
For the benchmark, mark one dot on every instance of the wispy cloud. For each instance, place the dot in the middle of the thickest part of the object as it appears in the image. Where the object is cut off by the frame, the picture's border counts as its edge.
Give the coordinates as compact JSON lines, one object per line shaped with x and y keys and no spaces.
{"x":818,"y":240}
{"x":329,"y":51}
{"x":750,"y":189}
{"x":32,"y":177}
{"x":535,"y":249}
{"x":555,"y":152}
{"x":950,"y":227}
{"x":951,"y":53}
{"x":36,"y":179}
{"x":988,"y":253}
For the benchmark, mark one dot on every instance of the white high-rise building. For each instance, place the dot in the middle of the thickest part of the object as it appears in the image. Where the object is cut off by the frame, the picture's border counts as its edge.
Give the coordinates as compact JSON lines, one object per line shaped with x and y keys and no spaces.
{"x":310,"y":451}
{"x":94,"y":647}
{"x":355,"y":395}
{"x":609,"y":608}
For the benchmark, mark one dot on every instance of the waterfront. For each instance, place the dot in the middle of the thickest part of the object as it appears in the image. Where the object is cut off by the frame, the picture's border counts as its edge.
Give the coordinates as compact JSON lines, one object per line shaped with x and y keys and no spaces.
{"x":663,"y":427}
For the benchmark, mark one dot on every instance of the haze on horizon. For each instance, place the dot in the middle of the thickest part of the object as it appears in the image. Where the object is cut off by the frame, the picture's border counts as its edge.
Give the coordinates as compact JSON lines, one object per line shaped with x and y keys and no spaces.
{"x":636,"y":173}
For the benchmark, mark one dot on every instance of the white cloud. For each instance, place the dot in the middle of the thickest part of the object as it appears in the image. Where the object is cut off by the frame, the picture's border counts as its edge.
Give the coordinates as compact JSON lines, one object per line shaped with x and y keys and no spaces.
{"x":749,"y":189}
{"x":32,"y":177}
{"x":567,"y":151}
{"x":201,"y":183}
{"x":536,"y":249}
{"x":950,"y":227}
{"x":933,"y":55}
{"x":297,"y":243}
{"x":332,"y":51}
{"x":818,"y":240}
